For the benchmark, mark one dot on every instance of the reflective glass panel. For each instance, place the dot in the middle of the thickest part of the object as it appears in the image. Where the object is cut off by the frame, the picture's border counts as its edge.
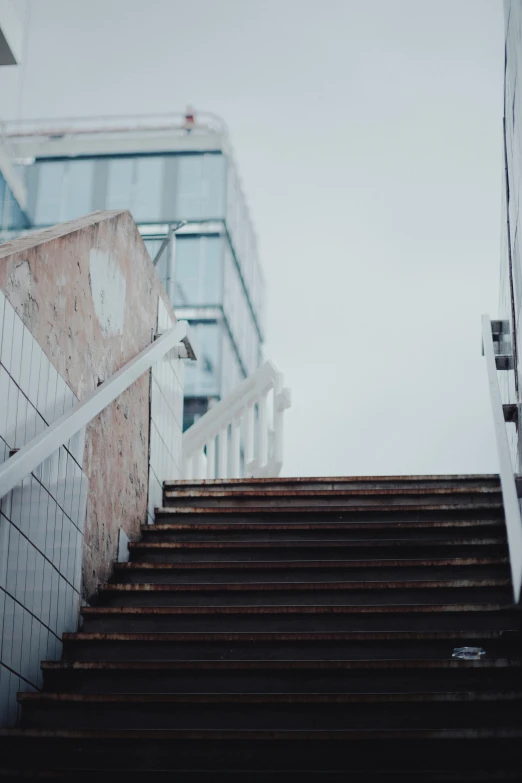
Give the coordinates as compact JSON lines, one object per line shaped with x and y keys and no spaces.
{"x":202,"y":377}
{"x":200,"y":187}
{"x":78,"y":189}
{"x":120,"y":184}
{"x":148,"y":189}
{"x":197,"y":270}
{"x":50,"y":193}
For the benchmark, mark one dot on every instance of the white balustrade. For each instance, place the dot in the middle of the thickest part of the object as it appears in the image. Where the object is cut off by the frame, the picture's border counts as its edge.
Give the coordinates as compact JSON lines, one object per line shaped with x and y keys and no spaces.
{"x":248,"y":428}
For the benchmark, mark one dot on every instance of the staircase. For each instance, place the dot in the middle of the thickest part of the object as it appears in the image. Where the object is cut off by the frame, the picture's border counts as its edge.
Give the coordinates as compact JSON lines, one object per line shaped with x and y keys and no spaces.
{"x":292,"y":630}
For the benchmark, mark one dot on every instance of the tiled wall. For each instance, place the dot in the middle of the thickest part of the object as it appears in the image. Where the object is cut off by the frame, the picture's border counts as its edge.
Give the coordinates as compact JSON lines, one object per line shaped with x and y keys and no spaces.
{"x":41,"y":521}
{"x":166,"y":423}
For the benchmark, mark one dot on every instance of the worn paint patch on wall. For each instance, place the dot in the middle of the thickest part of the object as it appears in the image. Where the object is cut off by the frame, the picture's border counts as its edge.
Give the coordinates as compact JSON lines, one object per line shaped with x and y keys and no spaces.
{"x":108,"y":291}
{"x":47,"y":277}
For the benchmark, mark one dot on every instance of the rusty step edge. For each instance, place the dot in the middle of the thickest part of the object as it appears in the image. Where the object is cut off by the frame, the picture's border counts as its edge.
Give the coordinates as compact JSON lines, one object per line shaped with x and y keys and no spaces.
{"x":323,"y":509}
{"x":97,"y":611}
{"x":508,"y":634}
{"x":283,"y":480}
{"x":326,"y":493}
{"x":268,"y":698}
{"x":314,"y":543}
{"x":259,"y":735}
{"x":277,"y":665}
{"x":161,"y":527}
{"x":284,"y":564}
{"x":145,"y":587}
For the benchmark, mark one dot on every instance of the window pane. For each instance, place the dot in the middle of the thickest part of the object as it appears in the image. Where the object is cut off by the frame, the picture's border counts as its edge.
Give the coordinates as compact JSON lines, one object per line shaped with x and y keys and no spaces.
{"x":190,"y":183}
{"x":215,"y":171}
{"x":197,"y":270}
{"x":148,"y":189}
{"x":120,"y":183}
{"x":201,"y":187}
{"x":50,"y":193}
{"x":79,"y":179}
{"x":202,"y":376}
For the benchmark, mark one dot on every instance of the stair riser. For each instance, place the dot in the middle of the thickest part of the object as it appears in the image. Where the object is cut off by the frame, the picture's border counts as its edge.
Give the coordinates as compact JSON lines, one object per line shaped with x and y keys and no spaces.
{"x":272,"y":776}
{"x":343,"y":500}
{"x":290,"y":621}
{"x":285,"y":514}
{"x":244,"y":754}
{"x":344,"y":533}
{"x":281,"y":716}
{"x":205,"y":650}
{"x":305,"y":597}
{"x":267,"y":574}
{"x":400,"y":550}
{"x":340,"y":482}
{"x":304,"y":681}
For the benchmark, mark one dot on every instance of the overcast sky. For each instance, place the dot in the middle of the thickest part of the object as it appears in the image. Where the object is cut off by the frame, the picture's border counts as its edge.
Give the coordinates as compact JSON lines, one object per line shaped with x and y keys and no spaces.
{"x":368,"y":137}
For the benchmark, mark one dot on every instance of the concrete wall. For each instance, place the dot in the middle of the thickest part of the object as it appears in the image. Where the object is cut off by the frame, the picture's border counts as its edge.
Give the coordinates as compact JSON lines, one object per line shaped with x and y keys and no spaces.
{"x":88,"y":293}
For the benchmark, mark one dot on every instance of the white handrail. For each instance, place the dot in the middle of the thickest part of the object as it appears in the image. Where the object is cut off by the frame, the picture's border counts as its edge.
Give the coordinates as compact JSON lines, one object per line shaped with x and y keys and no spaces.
{"x":30,"y":456}
{"x":246,"y":408}
{"x":507,"y":477}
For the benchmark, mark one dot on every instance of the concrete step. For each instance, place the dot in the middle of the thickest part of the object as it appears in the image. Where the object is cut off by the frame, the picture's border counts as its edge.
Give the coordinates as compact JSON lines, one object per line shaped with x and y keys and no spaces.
{"x":327,"y":529}
{"x":361,"y":549}
{"x":318,"y":617}
{"x":292,"y":646}
{"x":297,"y":485}
{"x":360,"y":508}
{"x":273,"y":712}
{"x":360,"y":752}
{"x":270,"y":776}
{"x":280,"y":676}
{"x":312,"y":570}
{"x":307,"y":593}
{"x":451,"y":494}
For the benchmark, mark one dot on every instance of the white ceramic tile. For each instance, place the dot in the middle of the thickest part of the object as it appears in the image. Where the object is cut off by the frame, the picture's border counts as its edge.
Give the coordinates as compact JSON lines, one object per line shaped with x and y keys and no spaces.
{"x":25,"y":366}
{"x":60,"y":397}
{"x":16,"y":354}
{"x":7,"y":336}
{"x":43,"y":380}
{"x":4,"y":398}
{"x":52,"y":381}
{"x":2,"y":308}
{"x":21,"y":418}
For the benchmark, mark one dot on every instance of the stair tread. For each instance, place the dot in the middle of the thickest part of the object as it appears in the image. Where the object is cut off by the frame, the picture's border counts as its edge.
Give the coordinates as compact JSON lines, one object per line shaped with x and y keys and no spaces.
{"x":282,"y":564}
{"x":511,"y":633}
{"x":282,"y":480}
{"x":269,"y":698}
{"x":308,"y":543}
{"x":324,"y":509}
{"x":92,"y":611}
{"x":452,"y":663}
{"x":238,"y":492}
{"x":329,"y":525}
{"x":256,"y":734}
{"x":151,"y":587}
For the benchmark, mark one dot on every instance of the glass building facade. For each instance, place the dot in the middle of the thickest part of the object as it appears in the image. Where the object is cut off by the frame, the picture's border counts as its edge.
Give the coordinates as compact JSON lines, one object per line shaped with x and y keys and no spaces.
{"x":218,"y":284}
{"x":12,"y":216}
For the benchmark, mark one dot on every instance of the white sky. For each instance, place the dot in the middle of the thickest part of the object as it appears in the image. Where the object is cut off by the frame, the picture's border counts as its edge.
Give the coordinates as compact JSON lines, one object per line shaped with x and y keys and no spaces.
{"x":368,"y":136}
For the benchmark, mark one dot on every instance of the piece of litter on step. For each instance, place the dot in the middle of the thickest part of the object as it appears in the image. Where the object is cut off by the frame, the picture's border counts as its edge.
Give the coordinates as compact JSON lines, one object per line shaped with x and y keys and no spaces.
{"x":468,"y":653}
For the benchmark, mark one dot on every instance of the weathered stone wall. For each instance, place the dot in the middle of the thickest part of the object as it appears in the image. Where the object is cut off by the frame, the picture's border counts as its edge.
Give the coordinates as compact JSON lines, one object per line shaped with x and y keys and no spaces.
{"x":88,"y":293}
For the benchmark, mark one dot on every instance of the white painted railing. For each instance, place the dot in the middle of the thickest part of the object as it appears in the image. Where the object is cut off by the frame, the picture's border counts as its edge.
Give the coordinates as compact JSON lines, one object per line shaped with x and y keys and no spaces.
{"x":507,"y":477}
{"x":30,"y":456}
{"x":242,"y":434}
